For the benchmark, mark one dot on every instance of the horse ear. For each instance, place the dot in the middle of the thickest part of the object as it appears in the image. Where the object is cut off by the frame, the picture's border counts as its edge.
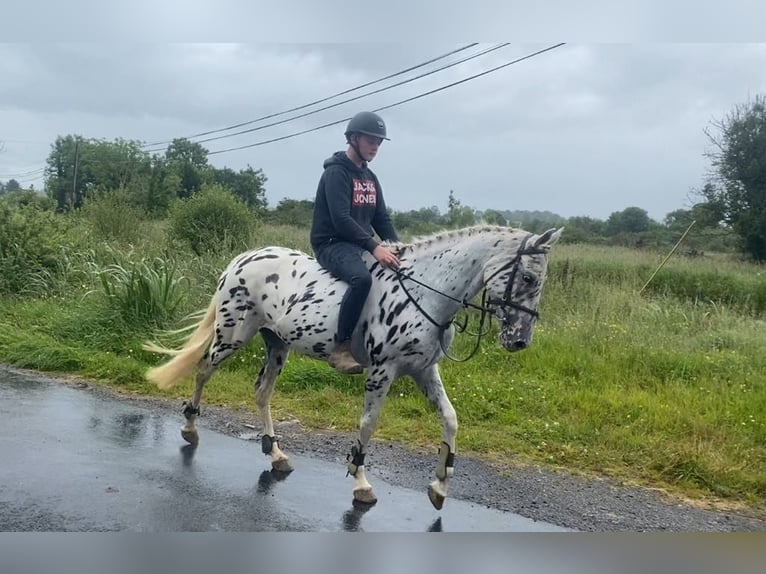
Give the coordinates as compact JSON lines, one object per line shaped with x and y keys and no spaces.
{"x":549,"y":238}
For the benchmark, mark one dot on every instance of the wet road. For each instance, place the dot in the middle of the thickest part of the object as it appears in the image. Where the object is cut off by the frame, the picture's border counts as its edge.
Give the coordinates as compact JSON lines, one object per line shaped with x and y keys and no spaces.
{"x":72,"y":461}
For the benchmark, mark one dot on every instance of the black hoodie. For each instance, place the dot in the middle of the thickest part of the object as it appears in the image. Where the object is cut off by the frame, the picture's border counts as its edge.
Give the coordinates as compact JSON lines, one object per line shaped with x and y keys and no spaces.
{"x":349,"y":206}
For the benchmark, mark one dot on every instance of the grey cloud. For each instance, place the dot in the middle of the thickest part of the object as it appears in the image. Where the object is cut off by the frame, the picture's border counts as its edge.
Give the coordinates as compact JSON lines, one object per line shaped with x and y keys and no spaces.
{"x":586,"y":129}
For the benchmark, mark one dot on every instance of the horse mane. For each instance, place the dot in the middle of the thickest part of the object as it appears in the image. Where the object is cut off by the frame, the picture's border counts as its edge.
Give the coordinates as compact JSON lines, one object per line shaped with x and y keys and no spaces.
{"x":450,"y":233}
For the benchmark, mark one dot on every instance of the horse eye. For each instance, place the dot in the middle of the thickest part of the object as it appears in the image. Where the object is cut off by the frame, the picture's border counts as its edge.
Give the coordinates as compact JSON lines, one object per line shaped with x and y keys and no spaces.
{"x":527,"y":278}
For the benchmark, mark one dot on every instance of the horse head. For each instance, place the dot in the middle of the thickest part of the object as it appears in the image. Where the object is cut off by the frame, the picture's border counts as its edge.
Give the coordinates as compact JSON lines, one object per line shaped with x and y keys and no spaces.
{"x":514,"y":287}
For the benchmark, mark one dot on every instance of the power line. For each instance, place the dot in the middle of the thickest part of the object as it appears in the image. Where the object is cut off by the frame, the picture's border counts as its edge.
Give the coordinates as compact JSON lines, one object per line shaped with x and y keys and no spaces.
{"x":400,"y":102}
{"x":29,"y":173}
{"x":335,"y":105}
{"x":322,"y":100}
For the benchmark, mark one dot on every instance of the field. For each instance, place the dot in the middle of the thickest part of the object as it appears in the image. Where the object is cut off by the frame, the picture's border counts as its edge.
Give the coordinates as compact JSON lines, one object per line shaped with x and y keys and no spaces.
{"x":665,"y":387}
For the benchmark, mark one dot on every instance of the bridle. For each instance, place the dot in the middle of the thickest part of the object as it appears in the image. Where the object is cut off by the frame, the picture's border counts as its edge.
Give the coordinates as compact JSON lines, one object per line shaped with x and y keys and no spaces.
{"x":487,"y":306}
{"x":507,"y":300}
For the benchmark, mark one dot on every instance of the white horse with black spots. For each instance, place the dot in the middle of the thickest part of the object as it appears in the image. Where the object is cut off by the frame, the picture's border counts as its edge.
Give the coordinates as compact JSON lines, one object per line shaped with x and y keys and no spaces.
{"x":405,"y":327}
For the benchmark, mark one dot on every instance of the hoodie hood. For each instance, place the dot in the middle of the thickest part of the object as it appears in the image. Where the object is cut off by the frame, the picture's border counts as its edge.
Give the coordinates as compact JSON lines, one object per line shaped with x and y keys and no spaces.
{"x":340,"y":158}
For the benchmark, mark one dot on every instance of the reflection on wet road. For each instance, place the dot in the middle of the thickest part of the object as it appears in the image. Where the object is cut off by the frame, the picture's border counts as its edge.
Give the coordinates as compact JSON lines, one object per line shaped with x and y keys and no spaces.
{"x":72,"y":461}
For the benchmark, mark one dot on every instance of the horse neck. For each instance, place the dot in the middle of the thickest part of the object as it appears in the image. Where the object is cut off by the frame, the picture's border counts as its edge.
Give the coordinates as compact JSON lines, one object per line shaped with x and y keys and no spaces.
{"x":453,"y":263}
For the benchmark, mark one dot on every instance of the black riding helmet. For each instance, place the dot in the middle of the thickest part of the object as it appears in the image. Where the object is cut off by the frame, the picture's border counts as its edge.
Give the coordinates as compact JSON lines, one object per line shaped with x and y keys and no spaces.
{"x":366,"y":123}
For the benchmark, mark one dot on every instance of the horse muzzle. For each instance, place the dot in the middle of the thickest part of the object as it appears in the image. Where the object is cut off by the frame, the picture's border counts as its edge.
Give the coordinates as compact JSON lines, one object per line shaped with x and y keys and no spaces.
{"x":513,"y":344}
{"x":515,"y":339}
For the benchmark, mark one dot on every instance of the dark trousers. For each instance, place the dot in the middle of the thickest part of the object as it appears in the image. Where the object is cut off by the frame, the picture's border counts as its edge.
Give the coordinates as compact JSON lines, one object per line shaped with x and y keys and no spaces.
{"x":344,"y":261}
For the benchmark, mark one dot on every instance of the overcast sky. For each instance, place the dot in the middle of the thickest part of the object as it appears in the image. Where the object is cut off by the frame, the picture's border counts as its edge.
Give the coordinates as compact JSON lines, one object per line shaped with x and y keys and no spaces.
{"x":584,"y":129}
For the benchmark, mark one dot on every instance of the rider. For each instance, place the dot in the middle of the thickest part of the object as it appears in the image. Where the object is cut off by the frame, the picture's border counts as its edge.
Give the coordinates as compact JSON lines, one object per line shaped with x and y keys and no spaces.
{"x":348,"y":206}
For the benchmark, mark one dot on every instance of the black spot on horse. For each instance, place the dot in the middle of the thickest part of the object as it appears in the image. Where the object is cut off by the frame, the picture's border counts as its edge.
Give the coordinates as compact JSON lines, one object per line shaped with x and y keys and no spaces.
{"x":273,"y":278}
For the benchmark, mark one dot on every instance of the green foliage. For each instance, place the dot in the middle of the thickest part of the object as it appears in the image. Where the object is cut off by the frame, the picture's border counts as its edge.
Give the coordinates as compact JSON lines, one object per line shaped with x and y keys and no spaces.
{"x":115,"y":215}
{"x":76,"y":165}
{"x":663,"y":388}
{"x":12,"y":185}
{"x":739,"y":161}
{"x":418,"y":222}
{"x":746,"y":292}
{"x":247,"y":185}
{"x":27,"y":198}
{"x":188,"y":161}
{"x":213,"y":220}
{"x":292,"y":212}
{"x":629,"y":220}
{"x":493,"y":217}
{"x":30,"y":242}
{"x":142,"y":291}
{"x":458,"y":215}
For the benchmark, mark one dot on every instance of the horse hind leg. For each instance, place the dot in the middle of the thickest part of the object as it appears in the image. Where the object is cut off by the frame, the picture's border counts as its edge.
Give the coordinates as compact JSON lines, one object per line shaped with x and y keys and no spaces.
{"x":229,"y":339}
{"x":191,"y":408}
{"x":429,"y":381}
{"x":276,"y":358}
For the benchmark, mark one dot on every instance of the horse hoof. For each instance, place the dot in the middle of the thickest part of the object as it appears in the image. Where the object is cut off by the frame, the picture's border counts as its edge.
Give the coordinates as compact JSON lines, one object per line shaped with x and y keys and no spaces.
{"x":192,"y":437}
{"x":281,"y":465}
{"x":436,"y":498}
{"x":365,"y":495}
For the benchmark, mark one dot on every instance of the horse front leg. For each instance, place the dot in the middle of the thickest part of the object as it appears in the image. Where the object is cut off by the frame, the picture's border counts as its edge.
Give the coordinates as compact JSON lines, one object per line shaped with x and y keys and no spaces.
{"x":429,"y":381}
{"x":375,"y":390}
{"x":264,"y":387}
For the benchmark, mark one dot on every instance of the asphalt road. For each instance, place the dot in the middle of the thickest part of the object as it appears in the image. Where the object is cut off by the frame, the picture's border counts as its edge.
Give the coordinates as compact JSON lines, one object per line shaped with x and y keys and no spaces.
{"x":75,"y":455}
{"x":78,"y":461}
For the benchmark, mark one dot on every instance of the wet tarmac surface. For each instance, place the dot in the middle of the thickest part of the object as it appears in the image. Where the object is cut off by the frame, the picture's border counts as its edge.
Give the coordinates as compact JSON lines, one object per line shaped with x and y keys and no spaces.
{"x":72,"y":461}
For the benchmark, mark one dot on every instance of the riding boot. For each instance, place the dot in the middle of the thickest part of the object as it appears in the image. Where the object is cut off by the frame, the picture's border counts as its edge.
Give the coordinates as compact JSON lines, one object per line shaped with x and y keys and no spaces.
{"x":342,"y":359}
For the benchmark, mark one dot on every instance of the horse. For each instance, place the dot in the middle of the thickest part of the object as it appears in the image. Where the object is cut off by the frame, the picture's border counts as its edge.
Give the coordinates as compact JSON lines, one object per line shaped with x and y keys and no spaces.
{"x":405,"y":328}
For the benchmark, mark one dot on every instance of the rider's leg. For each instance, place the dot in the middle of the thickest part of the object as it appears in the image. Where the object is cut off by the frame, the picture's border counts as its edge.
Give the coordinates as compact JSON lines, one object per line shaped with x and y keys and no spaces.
{"x":344,"y":260}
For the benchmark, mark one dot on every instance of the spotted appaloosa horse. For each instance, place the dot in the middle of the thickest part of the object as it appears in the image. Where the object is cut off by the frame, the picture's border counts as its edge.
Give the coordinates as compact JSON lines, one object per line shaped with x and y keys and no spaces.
{"x":404,"y":329}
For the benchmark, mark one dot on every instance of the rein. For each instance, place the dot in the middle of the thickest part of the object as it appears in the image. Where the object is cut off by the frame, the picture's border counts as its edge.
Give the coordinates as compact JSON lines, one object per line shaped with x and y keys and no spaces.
{"x":486,"y":304}
{"x":442,"y":328}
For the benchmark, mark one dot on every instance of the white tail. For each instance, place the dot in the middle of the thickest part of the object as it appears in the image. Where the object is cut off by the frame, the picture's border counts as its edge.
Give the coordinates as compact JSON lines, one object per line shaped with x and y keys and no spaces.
{"x":186,"y":358}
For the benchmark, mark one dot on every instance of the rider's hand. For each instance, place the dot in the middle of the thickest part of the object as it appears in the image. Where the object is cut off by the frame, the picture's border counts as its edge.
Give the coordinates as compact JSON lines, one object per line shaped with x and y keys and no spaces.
{"x":386,"y":256}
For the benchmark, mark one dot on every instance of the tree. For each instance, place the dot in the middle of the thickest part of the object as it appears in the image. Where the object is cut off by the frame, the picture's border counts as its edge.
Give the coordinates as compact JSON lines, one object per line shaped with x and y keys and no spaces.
{"x":12,"y":185}
{"x":246,"y":184}
{"x":78,"y":166}
{"x":298,"y":212}
{"x":584,"y":229}
{"x":188,"y":160}
{"x":737,"y":185}
{"x":629,"y":220}
{"x":419,"y":222}
{"x":459,"y":215}
{"x":494,"y":218}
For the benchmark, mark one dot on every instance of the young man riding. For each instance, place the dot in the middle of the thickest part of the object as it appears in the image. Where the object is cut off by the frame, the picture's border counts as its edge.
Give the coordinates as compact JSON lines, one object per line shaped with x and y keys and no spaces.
{"x":348,"y":207}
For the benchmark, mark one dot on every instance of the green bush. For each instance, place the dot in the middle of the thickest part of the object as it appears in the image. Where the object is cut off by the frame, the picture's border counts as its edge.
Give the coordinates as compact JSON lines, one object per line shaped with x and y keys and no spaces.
{"x":30,"y":242}
{"x":213,"y":220}
{"x":114,"y":215}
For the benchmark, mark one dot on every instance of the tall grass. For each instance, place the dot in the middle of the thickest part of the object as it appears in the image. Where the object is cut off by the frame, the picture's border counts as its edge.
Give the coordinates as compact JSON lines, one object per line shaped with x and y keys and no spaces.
{"x":665,"y":387}
{"x":148,"y":290}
